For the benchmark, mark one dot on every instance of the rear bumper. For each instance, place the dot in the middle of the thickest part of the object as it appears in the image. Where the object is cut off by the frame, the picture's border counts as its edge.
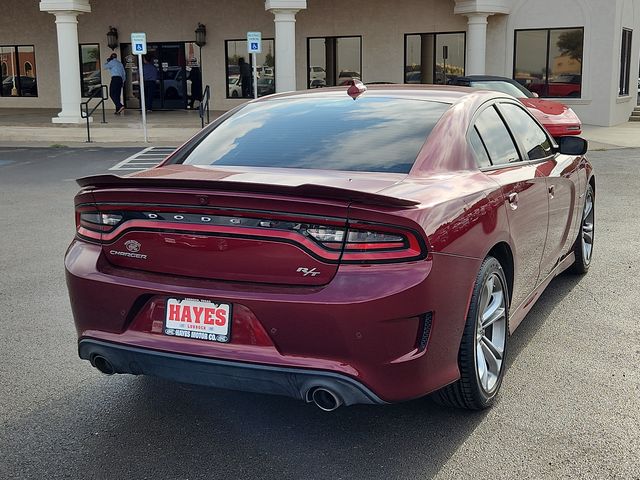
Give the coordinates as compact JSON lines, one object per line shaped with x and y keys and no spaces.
{"x":365,"y":326}
{"x":246,"y":377}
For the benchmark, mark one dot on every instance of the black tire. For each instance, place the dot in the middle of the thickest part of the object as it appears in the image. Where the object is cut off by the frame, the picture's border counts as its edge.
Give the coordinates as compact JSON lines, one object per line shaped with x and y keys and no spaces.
{"x":234,"y":94}
{"x":583,"y":262}
{"x":468,"y":392}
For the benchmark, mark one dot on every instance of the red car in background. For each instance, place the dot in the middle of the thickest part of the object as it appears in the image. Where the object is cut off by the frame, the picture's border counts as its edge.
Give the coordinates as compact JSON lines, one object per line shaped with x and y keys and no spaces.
{"x":556,"y":117}
{"x":338,"y":246}
{"x":565,"y":85}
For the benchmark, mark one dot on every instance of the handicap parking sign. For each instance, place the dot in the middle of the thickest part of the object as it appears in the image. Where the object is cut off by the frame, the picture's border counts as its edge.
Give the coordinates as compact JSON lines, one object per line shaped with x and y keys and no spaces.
{"x":254,"y":42}
{"x":139,"y":43}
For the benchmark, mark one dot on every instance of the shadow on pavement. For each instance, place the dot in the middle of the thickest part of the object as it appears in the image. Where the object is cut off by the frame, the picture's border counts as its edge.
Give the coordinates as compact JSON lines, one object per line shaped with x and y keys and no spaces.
{"x":128,"y":427}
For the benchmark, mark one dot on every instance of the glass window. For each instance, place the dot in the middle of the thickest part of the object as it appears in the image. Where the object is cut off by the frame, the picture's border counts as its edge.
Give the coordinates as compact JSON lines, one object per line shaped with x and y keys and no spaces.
{"x":333,"y":61}
{"x":496,"y":138}
{"x":549,"y":62}
{"x":482,"y":157}
{"x":536,"y":143}
{"x":239,"y":67}
{"x":90,"y":69}
{"x":434,"y":57}
{"x":19,"y":72}
{"x":371,"y":134}
{"x":625,"y":62}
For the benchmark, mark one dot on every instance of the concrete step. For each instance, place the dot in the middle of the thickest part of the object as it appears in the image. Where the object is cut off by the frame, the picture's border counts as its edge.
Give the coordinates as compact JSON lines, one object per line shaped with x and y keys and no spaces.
{"x":635,"y":113}
{"x":634,"y":119}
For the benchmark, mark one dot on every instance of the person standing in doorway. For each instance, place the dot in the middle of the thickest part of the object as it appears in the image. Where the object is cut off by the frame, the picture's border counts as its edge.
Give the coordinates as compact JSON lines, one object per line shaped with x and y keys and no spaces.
{"x":245,"y":77}
{"x":195,"y":76}
{"x":117,"y":81}
{"x":150,"y":73}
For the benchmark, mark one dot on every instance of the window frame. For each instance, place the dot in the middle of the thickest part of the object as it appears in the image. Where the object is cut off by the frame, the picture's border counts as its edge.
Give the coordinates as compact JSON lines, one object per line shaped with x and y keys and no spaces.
{"x":18,"y":70}
{"x":626,"y":49}
{"x":250,"y":56}
{"x":335,"y":37}
{"x":524,"y":154}
{"x":80,"y":45}
{"x":524,"y":158}
{"x":548,"y":30}
{"x":435,"y":42}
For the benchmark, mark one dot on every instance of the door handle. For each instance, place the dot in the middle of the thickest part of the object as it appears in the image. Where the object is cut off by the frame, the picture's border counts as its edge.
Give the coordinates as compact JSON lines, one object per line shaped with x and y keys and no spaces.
{"x":513,"y":200}
{"x":552,"y":191}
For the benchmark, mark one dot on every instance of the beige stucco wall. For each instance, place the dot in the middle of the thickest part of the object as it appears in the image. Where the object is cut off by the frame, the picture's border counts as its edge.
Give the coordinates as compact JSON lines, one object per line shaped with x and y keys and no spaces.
{"x":21,"y":23}
{"x":380,"y":23}
{"x":382,"y":29}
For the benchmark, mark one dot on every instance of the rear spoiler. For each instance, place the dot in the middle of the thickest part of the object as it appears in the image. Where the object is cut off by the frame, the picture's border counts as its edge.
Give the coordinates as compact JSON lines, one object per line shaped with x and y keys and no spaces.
{"x":305,"y":190}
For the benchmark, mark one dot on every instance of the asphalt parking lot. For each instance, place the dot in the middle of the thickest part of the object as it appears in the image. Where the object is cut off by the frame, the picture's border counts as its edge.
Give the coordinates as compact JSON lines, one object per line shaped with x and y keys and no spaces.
{"x":569,"y":407}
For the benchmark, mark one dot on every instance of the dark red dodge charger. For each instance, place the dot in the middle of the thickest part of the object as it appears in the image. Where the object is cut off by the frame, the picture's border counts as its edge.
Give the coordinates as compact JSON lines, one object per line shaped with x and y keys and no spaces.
{"x":339,"y":247}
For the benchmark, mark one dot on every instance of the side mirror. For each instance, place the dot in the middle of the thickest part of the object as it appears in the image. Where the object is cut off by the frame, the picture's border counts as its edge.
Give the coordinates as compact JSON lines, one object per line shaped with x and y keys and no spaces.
{"x":535,"y":95}
{"x":572,"y":145}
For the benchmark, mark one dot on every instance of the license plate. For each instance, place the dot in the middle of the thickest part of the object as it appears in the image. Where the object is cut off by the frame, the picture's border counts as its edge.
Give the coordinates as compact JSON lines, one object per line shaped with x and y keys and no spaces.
{"x":198,"y":319}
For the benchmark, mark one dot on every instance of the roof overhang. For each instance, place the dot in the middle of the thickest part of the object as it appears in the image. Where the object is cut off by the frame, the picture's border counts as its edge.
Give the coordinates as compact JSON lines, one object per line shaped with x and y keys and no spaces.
{"x":490,"y":7}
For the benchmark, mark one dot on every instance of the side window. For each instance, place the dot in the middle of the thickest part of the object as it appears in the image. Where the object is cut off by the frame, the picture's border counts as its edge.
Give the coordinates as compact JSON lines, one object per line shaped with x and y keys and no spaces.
{"x":534,"y":140}
{"x":478,"y":147}
{"x":496,"y":138}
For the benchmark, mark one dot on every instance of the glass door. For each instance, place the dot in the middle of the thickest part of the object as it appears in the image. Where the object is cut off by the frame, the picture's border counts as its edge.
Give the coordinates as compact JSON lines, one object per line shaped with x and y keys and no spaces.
{"x":173,"y":79}
{"x":171,"y":86}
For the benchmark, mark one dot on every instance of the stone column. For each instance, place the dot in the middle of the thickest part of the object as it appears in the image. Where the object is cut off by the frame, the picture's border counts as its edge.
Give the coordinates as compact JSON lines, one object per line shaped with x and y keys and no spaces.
{"x":66,"y":13}
{"x":477,"y":12}
{"x":476,"y":43}
{"x":284,"y":12}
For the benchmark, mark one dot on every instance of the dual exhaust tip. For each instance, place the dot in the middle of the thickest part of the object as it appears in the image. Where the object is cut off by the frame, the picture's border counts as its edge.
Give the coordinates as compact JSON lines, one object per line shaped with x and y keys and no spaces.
{"x":323,"y":398}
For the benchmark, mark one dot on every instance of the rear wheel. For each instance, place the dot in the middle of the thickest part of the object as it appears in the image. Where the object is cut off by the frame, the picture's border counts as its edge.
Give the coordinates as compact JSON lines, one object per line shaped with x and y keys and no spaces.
{"x":583,"y":248}
{"x":481,"y":358}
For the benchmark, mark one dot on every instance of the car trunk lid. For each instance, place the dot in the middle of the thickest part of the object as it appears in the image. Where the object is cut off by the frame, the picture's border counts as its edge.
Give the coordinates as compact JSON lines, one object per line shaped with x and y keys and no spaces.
{"x":237,"y":225}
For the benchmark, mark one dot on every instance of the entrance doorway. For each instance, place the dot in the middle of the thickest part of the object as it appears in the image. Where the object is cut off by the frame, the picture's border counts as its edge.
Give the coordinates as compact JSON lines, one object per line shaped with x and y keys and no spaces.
{"x":179,"y":82}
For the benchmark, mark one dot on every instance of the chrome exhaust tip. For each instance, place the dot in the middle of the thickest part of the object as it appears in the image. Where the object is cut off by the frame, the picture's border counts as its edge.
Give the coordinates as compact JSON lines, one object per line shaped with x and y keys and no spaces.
{"x":325,"y":399}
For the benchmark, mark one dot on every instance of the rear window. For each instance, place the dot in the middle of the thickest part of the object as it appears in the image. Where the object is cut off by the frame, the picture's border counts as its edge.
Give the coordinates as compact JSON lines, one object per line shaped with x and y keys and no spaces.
{"x":369,"y":134}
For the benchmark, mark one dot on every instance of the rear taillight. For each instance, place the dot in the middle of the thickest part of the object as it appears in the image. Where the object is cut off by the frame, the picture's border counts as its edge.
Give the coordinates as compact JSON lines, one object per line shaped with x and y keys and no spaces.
{"x":90,"y":224}
{"x":333,"y":240}
{"x":381,"y":244}
{"x":369,"y":243}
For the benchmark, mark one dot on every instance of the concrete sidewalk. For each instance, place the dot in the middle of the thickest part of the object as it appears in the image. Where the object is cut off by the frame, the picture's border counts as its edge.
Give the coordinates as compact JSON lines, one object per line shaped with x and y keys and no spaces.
{"x":33,"y":127}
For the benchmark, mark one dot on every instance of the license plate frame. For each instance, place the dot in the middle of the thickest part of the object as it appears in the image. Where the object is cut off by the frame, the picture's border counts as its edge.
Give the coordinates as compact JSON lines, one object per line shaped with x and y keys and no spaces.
{"x":202,"y":319}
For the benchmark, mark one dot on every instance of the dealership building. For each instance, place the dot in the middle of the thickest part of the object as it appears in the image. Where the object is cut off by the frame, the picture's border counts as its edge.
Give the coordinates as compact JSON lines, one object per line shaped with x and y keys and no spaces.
{"x":583,"y":52}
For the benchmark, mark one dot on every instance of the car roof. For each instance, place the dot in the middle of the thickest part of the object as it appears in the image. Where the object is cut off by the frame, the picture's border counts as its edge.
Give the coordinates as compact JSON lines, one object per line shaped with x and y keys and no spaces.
{"x":485,"y":77}
{"x":436,"y":93}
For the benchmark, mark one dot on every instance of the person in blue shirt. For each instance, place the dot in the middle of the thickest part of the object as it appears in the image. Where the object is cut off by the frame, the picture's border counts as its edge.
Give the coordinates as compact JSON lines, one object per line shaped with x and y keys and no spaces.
{"x":150,"y":73}
{"x":117,"y":81}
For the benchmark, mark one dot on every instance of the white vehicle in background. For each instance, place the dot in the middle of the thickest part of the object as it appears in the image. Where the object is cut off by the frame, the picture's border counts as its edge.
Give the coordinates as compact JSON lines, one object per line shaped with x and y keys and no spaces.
{"x":234,"y":86}
{"x":317,"y":73}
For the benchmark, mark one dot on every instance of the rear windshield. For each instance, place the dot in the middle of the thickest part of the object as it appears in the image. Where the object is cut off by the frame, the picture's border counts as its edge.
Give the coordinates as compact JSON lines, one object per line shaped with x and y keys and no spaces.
{"x":369,"y":134}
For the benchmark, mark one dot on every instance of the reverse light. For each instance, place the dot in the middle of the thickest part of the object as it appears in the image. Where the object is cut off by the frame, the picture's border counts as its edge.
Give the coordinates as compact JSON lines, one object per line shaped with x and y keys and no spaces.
{"x":109,"y":219}
{"x":91,"y":224}
{"x":326,"y":234}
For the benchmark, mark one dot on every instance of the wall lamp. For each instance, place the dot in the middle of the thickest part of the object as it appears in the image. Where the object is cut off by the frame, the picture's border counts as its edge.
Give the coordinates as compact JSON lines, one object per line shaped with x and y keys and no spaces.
{"x":112,"y":38}
{"x":201,"y":35}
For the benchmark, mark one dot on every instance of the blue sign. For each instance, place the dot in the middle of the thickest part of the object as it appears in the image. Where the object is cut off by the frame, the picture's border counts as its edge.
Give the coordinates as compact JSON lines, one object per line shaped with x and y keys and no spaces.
{"x":139,"y":43}
{"x":254,"y":42}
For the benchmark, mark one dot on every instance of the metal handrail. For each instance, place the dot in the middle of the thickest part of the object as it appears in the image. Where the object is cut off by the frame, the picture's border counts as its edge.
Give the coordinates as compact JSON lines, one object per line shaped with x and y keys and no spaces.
{"x":84,"y":107}
{"x":204,"y":105}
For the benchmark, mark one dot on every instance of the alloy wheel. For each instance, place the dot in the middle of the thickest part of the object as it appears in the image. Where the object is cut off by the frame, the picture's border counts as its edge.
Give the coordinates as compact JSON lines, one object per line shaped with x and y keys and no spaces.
{"x":491,"y":333}
{"x":587,"y":228}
